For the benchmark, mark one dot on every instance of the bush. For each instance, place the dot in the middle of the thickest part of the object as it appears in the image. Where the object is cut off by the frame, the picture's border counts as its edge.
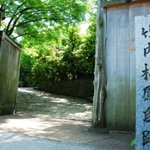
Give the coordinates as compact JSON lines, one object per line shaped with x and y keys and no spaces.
{"x":25,"y":70}
{"x":72,"y":58}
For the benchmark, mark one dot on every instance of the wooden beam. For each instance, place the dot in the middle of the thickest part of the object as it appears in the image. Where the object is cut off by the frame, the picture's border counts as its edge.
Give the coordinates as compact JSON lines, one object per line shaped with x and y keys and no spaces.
{"x":106,"y":3}
{"x":123,"y":3}
{"x":99,"y":74}
{"x":4,"y":36}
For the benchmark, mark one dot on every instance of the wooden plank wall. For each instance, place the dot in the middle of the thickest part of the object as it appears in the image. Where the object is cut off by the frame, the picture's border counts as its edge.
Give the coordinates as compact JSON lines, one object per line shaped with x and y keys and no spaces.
{"x":120,"y":65}
{"x":9,"y":73}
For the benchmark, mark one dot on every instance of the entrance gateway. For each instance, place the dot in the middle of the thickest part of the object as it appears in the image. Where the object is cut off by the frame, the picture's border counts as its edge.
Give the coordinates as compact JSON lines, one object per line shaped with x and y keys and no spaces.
{"x":115,"y":66}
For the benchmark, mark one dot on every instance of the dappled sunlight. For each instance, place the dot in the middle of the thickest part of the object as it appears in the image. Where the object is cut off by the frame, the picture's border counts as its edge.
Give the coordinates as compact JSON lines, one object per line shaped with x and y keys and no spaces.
{"x":80,"y":115}
{"x":26,"y":124}
{"x":32,"y":102}
{"x":30,"y":126}
{"x":42,"y":114}
{"x":52,"y":117}
{"x":40,"y":126}
{"x":26,"y":90}
{"x":59,"y":100}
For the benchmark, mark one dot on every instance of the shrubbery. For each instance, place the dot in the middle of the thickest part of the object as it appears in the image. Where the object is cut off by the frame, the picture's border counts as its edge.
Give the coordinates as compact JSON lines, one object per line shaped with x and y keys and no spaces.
{"x":72,"y":57}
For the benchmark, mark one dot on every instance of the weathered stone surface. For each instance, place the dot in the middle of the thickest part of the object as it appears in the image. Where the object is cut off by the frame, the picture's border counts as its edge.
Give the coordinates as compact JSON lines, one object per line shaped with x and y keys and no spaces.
{"x":142,"y":30}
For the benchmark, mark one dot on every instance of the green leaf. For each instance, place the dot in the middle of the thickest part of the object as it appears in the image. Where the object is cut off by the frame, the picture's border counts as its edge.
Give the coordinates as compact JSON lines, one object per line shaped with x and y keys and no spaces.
{"x":133,"y":142}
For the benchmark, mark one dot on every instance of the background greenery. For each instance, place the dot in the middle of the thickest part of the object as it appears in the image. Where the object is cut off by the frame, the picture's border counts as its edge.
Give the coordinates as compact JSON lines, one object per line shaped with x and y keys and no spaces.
{"x":57,"y":38}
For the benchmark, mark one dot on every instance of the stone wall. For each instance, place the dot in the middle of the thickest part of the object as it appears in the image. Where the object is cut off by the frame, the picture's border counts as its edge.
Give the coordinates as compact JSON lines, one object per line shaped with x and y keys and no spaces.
{"x":82,"y":88}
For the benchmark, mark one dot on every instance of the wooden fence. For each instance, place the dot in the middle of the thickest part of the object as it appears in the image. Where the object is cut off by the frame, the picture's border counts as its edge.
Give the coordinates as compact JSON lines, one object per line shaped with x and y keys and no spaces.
{"x":9,"y":73}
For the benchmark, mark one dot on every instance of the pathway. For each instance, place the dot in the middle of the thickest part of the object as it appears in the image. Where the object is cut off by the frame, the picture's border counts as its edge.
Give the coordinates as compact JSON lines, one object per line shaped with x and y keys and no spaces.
{"x":46,"y":121}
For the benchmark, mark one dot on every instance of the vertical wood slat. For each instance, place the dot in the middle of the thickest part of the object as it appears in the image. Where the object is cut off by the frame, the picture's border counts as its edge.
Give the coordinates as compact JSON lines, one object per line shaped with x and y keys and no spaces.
{"x":9,"y":74}
{"x":117,"y":71}
{"x":120,"y":60}
{"x":98,"y":116}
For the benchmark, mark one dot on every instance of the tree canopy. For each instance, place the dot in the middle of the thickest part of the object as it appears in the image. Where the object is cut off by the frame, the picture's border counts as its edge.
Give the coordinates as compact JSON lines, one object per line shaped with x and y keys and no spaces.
{"x":30,"y":17}
{"x":57,"y":38}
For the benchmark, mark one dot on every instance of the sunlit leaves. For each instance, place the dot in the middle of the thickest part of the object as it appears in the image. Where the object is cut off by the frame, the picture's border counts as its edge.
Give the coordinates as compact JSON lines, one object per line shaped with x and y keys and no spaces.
{"x":41,"y":14}
{"x":58,"y":49}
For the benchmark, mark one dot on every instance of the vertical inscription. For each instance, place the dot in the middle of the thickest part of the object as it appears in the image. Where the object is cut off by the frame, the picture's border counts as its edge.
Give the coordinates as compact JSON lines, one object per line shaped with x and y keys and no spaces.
{"x":142,"y":33}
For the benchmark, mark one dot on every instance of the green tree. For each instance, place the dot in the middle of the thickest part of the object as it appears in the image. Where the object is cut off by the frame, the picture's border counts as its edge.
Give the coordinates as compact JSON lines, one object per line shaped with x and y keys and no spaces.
{"x":52,"y":47}
{"x":33,"y":17}
{"x":25,"y":70}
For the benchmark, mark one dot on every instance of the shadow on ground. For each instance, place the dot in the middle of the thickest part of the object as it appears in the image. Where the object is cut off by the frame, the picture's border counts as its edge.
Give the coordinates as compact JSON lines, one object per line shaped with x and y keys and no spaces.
{"x":53,"y":117}
{"x":35,"y":103}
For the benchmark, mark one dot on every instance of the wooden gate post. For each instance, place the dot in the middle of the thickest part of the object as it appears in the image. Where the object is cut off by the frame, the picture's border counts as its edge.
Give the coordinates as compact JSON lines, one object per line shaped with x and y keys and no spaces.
{"x":9,"y":73}
{"x":99,"y":74}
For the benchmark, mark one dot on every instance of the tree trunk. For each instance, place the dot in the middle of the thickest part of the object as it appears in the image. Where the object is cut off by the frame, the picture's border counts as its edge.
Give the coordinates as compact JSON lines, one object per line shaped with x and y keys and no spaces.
{"x":99,"y":74}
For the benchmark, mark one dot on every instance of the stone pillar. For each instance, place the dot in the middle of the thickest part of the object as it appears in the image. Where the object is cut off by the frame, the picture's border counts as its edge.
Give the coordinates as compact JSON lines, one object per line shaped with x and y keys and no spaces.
{"x":142,"y":31}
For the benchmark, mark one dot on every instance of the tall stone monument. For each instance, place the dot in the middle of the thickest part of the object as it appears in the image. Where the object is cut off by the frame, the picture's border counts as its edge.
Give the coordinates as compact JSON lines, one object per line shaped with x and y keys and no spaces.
{"x":142,"y":38}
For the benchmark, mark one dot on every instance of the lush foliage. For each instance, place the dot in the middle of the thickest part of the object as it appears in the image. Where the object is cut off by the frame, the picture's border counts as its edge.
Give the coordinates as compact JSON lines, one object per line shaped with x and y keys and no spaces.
{"x":72,"y":57}
{"x":53,"y":47}
{"x":25,"y":70}
{"x":34,"y":17}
